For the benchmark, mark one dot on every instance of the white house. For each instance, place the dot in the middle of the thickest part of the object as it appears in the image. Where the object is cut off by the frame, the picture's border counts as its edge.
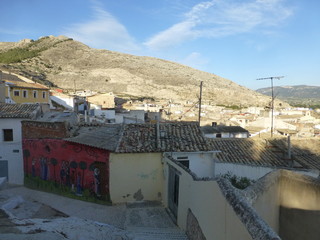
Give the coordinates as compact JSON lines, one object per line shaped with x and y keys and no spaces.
{"x":225,"y":132}
{"x":11,"y":160}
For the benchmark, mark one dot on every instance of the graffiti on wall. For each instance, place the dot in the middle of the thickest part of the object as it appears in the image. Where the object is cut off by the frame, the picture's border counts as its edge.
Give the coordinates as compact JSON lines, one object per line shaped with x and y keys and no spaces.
{"x":68,"y":164}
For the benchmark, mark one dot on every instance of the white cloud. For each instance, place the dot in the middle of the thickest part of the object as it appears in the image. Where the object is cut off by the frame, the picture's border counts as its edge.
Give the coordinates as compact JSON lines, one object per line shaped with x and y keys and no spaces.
{"x":219,"y":18}
{"x":103,"y":31}
{"x":195,"y":60}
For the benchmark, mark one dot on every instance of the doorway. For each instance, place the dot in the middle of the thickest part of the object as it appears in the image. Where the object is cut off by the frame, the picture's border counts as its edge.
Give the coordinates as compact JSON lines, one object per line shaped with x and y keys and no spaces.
{"x":173,"y":190}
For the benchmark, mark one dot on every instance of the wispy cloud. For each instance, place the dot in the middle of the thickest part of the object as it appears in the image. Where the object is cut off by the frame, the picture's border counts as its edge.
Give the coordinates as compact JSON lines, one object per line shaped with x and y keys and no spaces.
{"x":103,"y":31}
{"x":195,"y":60}
{"x":220,"y":18}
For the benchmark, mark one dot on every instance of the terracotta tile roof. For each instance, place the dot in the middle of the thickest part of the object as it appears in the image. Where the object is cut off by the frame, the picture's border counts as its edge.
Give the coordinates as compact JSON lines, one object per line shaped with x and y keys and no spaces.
{"x":304,"y":151}
{"x":177,"y":137}
{"x":248,"y":151}
{"x":18,"y":110}
{"x":269,"y":153}
{"x":22,"y":84}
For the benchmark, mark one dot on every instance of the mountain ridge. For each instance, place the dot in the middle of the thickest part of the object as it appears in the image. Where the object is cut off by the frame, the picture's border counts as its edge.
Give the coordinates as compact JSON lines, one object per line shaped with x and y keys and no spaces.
{"x":70,"y":64}
{"x":294,"y":91}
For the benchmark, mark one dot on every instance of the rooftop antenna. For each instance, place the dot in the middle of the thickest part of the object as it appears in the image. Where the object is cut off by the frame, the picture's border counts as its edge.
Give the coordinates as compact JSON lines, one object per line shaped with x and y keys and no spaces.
{"x":272,"y":97}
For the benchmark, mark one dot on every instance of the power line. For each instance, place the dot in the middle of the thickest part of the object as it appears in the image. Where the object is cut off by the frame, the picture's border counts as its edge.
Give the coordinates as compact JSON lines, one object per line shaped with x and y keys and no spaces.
{"x":272,"y":97}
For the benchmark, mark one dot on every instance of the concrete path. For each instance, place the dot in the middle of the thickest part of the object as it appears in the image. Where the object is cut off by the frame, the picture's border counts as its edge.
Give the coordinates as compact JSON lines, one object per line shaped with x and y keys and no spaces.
{"x":139,"y":220}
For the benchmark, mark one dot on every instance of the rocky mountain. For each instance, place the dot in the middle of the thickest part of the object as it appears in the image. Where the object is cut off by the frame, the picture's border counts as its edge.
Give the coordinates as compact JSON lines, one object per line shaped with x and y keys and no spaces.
{"x":299,"y":91}
{"x":63,"y":62}
{"x":299,"y":95}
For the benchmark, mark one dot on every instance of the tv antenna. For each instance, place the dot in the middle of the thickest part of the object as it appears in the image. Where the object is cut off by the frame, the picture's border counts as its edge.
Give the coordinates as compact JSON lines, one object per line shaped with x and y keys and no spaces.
{"x":272,"y":97}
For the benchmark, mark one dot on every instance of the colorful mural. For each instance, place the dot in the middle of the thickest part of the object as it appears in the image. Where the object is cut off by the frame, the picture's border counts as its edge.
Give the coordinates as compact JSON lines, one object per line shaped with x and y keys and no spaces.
{"x":68,"y":164}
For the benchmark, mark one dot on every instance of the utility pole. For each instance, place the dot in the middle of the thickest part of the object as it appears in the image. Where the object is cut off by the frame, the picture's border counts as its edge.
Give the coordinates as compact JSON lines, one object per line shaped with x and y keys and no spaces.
{"x":272,"y":98}
{"x":200,"y":98}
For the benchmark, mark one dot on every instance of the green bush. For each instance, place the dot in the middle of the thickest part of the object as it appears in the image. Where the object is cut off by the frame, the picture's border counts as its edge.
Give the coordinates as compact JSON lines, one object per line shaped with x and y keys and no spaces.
{"x":17,"y":55}
{"x":238,"y":182}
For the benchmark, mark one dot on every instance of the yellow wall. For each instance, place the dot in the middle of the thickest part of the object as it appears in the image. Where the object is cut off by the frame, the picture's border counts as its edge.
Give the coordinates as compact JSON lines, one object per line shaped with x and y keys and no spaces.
{"x":270,"y":197}
{"x":29,"y":98}
{"x":3,"y":94}
{"x":206,"y":201}
{"x":131,"y":172}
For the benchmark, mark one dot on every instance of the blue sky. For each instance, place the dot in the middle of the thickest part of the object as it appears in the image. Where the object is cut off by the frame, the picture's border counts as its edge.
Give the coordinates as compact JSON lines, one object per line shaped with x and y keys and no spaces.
{"x":240,"y":40}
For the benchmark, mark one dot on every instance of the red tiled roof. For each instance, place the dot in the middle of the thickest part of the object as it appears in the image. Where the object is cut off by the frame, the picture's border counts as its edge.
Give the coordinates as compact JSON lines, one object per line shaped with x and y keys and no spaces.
{"x":22,"y":84}
{"x":177,"y":137}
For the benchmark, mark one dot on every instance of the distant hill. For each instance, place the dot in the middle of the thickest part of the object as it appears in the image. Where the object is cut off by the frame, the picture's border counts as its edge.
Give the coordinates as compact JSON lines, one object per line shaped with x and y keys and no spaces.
{"x":296,"y":95}
{"x":63,"y":62}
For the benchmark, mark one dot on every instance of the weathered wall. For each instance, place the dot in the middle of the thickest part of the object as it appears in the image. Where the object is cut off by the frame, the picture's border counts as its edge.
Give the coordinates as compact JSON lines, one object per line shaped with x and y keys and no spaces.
{"x":12,"y":151}
{"x":208,"y":205}
{"x":36,"y":130}
{"x":300,"y":208}
{"x":65,"y":162}
{"x":289,"y":203}
{"x":194,"y":231}
{"x":135,"y":177}
{"x":266,"y":194}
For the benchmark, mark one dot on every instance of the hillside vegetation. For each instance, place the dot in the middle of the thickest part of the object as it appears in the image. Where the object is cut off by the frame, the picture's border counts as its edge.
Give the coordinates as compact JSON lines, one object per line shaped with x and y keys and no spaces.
{"x":300,"y":95}
{"x":71,"y":65}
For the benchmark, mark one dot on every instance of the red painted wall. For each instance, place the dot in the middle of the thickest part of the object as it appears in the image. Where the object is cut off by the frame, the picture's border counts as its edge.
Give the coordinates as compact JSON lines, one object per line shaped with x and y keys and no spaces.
{"x":55,"y":159}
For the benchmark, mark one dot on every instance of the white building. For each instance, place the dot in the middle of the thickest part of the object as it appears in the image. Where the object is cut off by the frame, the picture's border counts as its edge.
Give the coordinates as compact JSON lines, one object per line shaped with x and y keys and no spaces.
{"x":11,"y":153}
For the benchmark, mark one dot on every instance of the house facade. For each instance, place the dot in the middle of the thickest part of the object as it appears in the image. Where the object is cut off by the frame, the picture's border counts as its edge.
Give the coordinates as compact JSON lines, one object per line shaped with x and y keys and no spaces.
{"x":225,"y":132}
{"x":136,"y":165}
{"x":16,"y":90}
{"x":11,"y":152}
{"x":53,"y":154}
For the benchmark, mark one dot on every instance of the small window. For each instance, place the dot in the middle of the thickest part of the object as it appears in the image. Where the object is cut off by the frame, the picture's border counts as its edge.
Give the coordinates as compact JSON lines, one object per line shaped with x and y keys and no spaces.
{"x":185,"y":163}
{"x":25,"y":93}
{"x":16,"y":93}
{"x":43,"y":95}
{"x":35,"y":94}
{"x":7,"y":135}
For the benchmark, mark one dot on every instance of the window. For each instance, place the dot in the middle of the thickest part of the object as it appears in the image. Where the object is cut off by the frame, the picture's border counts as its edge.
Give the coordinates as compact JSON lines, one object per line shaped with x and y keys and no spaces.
{"x":35,"y":94}
{"x":7,"y":135}
{"x":25,"y":93}
{"x":43,"y":95}
{"x":16,"y":93}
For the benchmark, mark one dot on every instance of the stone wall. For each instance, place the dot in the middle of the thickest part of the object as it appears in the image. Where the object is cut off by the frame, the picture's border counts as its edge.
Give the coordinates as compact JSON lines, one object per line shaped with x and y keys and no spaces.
{"x":194,"y":230}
